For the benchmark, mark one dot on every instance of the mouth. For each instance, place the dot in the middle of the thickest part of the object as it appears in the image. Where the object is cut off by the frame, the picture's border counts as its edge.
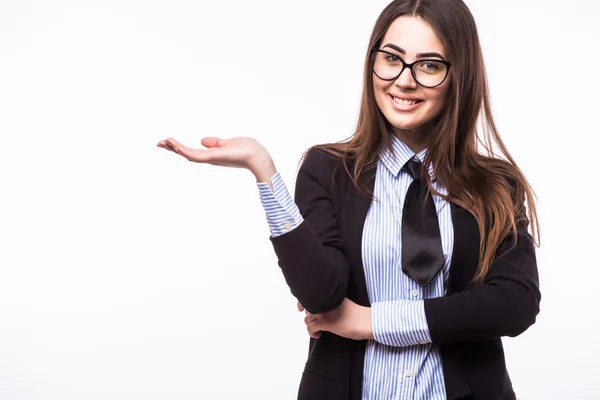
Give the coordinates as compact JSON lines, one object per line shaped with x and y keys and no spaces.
{"x":401,"y":104}
{"x":405,"y":102}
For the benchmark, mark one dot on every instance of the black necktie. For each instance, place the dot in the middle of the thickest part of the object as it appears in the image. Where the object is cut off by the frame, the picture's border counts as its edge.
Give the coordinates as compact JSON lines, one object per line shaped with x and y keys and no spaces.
{"x":422,"y":255}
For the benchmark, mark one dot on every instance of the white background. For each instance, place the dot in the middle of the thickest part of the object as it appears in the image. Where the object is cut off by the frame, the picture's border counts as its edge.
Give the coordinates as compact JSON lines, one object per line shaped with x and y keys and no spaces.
{"x":127,"y":272}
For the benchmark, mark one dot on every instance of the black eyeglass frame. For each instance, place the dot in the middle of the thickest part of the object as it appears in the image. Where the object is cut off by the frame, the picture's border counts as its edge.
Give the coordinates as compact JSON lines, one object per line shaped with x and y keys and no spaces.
{"x":409,"y":66}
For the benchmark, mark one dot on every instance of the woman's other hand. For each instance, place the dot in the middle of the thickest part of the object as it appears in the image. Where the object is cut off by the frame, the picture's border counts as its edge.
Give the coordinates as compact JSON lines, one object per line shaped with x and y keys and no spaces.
{"x":349,"y":320}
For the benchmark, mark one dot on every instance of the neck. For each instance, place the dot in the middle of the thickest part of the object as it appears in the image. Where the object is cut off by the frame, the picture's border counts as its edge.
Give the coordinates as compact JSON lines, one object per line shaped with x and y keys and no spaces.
{"x":414,"y":139}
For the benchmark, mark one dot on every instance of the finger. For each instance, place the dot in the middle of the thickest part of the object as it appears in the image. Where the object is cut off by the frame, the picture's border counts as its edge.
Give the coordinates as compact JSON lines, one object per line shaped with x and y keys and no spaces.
{"x":213,"y":142}
{"x":300,"y":307}
{"x":315,"y":335}
{"x":314,"y":329}
{"x":172,"y":142}
{"x":176,"y":146}
{"x":310,"y":318}
{"x":197,"y":155}
{"x":172,"y":145}
{"x":163,"y":144}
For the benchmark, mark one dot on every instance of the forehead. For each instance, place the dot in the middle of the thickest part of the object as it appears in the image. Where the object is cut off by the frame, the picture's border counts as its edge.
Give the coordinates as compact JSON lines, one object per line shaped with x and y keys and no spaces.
{"x":413,"y":35}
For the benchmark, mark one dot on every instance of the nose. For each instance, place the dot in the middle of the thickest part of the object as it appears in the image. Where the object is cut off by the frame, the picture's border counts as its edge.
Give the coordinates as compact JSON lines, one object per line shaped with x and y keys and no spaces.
{"x":406,"y":80}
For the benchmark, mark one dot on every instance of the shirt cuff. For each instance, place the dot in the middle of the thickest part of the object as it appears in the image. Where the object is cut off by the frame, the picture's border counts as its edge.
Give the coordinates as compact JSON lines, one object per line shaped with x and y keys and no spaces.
{"x":282,"y":213}
{"x":400,"y":323}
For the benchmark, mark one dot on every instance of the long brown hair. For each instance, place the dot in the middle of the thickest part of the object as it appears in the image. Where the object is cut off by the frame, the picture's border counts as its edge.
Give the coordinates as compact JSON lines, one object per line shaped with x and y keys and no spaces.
{"x":489,"y":185}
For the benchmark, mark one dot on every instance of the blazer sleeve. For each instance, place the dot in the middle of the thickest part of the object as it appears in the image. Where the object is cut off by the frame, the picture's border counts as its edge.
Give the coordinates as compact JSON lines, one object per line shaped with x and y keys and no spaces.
{"x":312,"y":256}
{"x":506,"y":304}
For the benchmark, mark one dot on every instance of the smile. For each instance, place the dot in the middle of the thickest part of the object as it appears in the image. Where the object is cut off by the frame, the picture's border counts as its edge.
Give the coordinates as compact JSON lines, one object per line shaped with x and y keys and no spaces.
{"x":405,"y":104}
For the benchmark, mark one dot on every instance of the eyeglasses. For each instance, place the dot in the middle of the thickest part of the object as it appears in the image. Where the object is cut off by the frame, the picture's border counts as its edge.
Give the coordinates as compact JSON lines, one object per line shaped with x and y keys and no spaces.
{"x":428,"y":73}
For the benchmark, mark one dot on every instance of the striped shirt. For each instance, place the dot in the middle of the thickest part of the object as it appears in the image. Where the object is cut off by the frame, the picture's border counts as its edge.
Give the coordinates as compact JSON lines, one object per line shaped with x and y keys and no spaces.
{"x":401,"y":363}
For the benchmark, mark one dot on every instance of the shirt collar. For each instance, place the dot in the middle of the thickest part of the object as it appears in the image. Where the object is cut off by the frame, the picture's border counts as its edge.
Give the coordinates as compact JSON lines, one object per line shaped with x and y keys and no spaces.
{"x":395,"y":160}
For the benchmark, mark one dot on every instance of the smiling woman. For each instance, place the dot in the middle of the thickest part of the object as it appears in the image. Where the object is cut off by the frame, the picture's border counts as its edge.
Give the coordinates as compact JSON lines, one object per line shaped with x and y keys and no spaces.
{"x":408,"y":249}
{"x":410,"y":100}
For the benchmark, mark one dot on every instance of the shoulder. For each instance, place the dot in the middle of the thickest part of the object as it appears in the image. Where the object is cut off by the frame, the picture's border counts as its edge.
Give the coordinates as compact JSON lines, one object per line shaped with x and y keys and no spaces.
{"x":506,"y":187}
{"x":322,"y":155}
{"x":337,"y":165}
{"x":322,"y":161}
{"x":501,"y":172}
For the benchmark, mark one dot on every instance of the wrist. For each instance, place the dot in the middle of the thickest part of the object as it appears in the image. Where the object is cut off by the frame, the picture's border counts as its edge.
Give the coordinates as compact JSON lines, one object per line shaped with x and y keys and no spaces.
{"x":367,"y":324}
{"x":262,"y":166}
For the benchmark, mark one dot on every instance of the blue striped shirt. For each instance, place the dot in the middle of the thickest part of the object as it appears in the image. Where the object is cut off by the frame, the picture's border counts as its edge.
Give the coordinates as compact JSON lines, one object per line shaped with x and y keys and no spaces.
{"x":401,"y":363}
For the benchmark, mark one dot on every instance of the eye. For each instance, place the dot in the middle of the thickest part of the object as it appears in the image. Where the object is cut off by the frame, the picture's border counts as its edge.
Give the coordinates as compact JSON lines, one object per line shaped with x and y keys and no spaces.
{"x":431,"y":66}
{"x":389,"y":58}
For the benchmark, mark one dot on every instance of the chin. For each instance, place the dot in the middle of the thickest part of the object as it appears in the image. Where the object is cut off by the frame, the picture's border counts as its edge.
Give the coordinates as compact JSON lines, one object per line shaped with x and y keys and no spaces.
{"x":406,"y":125}
{"x":405,"y":122}
{"x":423,"y":120}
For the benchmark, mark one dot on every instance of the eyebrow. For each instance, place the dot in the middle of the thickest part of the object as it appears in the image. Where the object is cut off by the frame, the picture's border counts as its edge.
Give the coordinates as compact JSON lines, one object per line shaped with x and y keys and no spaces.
{"x":419,"y":55}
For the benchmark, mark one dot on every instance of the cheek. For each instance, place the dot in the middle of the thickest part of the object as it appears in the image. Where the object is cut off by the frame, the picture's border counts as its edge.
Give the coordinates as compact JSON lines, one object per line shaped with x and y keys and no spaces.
{"x":437,"y":99}
{"x":380,"y":88}
{"x":380,"y":96}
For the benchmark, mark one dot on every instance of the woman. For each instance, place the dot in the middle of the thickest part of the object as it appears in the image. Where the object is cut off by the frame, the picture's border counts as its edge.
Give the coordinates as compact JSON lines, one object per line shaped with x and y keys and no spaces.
{"x":408,"y":249}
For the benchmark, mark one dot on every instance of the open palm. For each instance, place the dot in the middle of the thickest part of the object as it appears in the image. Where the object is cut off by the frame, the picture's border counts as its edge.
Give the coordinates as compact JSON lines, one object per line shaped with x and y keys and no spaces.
{"x":238,"y":152}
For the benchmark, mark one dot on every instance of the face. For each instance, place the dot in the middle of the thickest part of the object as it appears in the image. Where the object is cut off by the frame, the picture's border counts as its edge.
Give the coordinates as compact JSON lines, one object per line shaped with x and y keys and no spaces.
{"x":408,"y":106}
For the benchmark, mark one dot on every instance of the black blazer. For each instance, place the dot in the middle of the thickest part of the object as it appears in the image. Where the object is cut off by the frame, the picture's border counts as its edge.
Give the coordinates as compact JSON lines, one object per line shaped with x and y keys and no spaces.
{"x":322,"y":264}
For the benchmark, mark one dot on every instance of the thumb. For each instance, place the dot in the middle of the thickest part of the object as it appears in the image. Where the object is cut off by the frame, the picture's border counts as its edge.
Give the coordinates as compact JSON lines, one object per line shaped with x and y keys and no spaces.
{"x":300,"y":307}
{"x":213,"y":142}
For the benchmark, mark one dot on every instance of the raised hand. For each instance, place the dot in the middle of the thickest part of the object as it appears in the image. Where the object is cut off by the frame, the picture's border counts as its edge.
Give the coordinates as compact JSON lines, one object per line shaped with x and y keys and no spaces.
{"x":237,"y":152}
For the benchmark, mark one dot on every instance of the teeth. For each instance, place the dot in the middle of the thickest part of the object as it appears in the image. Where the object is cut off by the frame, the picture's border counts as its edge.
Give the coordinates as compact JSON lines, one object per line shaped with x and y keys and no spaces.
{"x":405,"y":102}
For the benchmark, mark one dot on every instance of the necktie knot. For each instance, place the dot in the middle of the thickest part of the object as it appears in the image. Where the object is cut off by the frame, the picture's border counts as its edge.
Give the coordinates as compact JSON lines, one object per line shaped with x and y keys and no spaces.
{"x":413,"y":167}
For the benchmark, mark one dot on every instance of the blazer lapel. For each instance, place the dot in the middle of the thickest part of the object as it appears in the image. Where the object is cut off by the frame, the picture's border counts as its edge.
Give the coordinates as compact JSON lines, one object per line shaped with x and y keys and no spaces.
{"x":357,"y":207}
